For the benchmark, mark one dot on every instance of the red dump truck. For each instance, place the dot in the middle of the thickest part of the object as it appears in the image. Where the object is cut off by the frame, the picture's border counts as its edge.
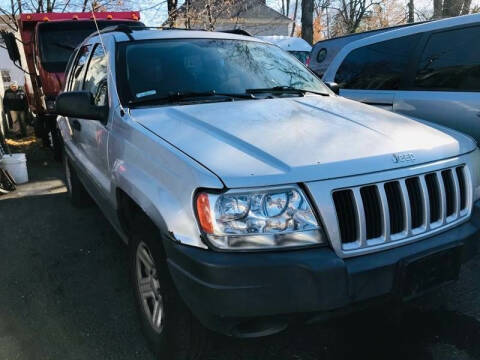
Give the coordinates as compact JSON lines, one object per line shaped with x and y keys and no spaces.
{"x":43,"y":46}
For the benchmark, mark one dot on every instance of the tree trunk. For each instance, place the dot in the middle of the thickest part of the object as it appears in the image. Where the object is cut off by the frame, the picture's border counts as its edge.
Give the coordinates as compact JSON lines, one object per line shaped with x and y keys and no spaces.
{"x":411,"y":11}
{"x":466,"y":7}
{"x":19,"y":5}
{"x":294,"y":18}
{"x":172,"y":11}
{"x":452,"y":8}
{"x":307,"y":20}
{"x":437,"y":9}
{"x":209,"y":16}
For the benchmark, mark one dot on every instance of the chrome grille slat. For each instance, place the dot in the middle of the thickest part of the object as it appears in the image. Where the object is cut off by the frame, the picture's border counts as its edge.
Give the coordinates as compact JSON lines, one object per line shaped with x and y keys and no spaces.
{"x":426,"y":203}
{"x":406,"y":208}
{"x":443,"y":197}
{"x":385,"y":211}
{"x":362,"y":225}
{"x":457,"y":193}
{"x":414,"y":197}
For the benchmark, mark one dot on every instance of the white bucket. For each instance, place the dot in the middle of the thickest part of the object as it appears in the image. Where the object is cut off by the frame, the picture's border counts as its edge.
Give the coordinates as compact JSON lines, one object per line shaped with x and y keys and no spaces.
{"x":16,"y":165}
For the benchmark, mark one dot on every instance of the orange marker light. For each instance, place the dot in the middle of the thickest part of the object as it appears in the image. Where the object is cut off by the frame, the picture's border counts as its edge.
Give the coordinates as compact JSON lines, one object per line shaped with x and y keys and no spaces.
{"x":134,"y":17}
{"x":29,"y":17}
{"x":46,"y":18}
{"x":75,"y":17}
{"x":203,"y":212}
{"x":109,"y":17}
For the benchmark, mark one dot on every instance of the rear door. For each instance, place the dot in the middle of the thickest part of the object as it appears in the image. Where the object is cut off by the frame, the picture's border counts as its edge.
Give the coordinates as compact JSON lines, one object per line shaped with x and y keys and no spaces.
{"x":373,"y":74}
{"x":445,"y":83}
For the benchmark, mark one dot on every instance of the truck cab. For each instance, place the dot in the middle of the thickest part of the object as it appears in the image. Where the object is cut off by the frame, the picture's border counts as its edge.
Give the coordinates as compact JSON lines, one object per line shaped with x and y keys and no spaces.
{"x":42,"y":47}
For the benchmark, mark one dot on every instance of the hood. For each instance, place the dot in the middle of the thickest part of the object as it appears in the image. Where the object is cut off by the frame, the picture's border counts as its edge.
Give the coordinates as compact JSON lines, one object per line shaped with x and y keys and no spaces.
{"x":288,"y":140}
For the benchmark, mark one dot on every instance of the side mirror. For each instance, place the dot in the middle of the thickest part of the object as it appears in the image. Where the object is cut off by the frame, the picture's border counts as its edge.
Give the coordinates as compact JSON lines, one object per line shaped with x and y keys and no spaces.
{"x":334,"y":87}
{"x":11,"y":45}
{"x":80,"y":104}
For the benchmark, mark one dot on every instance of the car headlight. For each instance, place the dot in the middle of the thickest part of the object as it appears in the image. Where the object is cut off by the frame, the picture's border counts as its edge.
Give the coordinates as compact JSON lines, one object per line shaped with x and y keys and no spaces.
{"x":256,"y":219}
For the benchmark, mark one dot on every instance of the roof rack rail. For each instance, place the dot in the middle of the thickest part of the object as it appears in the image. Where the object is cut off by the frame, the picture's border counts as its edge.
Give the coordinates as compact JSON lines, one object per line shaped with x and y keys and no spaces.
{"x":237,"y":32}
{"x":126,"y":29}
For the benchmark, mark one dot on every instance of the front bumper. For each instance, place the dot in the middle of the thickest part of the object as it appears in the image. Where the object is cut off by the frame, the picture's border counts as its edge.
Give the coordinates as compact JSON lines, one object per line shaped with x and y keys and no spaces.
{"x":255,"y":294}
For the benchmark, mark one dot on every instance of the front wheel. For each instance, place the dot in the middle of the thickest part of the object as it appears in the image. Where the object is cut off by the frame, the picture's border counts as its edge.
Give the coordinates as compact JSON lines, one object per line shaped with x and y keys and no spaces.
{"x":172,"y":331}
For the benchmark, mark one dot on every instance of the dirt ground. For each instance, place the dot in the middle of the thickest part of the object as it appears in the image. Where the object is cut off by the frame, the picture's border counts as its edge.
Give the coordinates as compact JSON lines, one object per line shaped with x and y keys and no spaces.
{"x":65,"y":294}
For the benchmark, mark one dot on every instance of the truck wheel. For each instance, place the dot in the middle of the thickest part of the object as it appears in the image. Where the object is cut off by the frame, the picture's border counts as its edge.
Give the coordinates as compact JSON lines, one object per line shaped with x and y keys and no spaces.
{"x":79,"y":197}
{"x":172,"y":331}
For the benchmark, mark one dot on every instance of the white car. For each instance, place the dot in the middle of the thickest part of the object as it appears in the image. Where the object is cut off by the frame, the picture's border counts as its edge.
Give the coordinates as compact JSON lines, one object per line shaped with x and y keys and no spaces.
{"x":429,"y":71}
{"x":250,"y":195}
{"x":294,"y":45}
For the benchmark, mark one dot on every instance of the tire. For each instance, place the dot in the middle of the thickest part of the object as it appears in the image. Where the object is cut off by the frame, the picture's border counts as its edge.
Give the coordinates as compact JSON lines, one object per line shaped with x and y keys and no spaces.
{"x":176,"y":334}
{"x":79,"y":197}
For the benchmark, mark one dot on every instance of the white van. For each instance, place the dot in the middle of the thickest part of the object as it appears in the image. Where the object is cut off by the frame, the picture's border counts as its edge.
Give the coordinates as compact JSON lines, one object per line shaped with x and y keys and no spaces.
{"x":294,"y":45}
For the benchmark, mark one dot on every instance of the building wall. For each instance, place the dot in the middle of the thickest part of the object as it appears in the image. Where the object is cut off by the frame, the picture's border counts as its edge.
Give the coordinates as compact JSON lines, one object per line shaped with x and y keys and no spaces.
{"x":6,"y":64}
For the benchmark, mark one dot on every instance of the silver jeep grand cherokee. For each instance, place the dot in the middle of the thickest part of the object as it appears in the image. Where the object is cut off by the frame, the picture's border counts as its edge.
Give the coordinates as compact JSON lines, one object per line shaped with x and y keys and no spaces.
{"x":249,"y":194}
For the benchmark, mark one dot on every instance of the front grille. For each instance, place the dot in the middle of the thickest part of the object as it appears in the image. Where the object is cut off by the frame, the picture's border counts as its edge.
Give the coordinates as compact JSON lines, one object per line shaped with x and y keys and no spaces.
{"x":395,"y":210}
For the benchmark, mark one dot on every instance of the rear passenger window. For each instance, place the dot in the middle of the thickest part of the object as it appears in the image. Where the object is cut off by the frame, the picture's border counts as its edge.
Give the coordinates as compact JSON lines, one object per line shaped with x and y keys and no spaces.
{"x":451,"y":61}
{"x":96,"y":76}
{"x":379,"y":66}
{"x":78,"y":72}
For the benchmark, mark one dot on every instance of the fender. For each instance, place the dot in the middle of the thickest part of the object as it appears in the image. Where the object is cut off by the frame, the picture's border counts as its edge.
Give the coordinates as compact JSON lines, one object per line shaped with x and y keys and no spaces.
{"x":162,"y":186}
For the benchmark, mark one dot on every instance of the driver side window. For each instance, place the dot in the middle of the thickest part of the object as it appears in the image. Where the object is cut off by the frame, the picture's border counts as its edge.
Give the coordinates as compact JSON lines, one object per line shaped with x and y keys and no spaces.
{"x":96,"y":77}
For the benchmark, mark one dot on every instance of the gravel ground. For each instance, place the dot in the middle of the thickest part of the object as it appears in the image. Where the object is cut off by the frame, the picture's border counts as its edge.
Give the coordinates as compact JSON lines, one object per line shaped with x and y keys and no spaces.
{"x":65,"y":294}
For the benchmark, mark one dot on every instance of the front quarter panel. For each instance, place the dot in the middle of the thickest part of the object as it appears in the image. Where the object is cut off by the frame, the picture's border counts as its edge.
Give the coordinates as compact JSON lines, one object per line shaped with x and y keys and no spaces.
{"x":158,"y":177}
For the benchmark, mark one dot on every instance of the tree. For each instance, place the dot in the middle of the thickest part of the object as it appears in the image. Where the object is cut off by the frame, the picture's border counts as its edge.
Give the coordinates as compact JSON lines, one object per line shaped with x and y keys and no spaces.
{"x":294,"y":18}
{"x":307,"y":21}
{"x":411,"y":11}
{"x":352,"y":12}
{"x":449,"y":8}
{"x":172,"y":11}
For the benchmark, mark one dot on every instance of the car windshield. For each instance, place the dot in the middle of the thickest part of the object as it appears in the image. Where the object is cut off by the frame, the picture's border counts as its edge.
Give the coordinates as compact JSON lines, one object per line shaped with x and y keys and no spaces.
{"x":57,"y":40}
{"x":161,"y":68}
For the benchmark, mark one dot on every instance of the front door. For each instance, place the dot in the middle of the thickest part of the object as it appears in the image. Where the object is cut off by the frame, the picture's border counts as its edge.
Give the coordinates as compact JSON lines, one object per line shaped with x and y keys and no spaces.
{"x":93,"y":134}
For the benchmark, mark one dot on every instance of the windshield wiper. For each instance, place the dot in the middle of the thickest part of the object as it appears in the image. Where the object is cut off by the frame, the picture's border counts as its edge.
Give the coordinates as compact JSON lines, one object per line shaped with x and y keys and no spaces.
{"x":178,"y":96}
{"x":285,"y":90}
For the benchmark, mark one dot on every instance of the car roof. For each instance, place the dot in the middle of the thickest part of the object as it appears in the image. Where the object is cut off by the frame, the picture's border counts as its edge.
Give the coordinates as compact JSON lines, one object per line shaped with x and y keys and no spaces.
{"x":397,"y":33}
{"x":415,"y":29}
{"x":171,"y":33}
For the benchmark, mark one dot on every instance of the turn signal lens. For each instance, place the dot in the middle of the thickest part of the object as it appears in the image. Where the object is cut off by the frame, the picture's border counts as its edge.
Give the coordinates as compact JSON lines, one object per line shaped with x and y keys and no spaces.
{"x":204,"y":214}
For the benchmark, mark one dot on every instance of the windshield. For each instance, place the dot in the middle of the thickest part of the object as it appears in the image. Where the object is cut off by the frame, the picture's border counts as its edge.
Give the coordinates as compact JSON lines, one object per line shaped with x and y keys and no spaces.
{"x":164,"y":67}
{"x":57,"y":40}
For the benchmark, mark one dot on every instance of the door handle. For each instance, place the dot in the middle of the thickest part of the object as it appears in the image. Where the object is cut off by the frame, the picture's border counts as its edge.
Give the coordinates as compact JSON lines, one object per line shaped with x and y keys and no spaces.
{"x":76,"y":125}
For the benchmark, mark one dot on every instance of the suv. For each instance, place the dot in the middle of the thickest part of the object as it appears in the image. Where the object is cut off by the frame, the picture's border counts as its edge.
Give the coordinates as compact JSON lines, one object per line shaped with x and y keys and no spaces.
{"x":250,"y":195}
{"x":430,"y":71}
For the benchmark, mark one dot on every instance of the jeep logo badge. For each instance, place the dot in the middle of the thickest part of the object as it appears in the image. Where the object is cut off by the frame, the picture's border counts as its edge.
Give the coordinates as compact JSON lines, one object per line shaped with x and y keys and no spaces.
{"x":401,"y":158}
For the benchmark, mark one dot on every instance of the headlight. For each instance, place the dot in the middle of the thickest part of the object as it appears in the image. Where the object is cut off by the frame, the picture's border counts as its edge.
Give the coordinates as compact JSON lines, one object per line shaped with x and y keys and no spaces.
{"x":256,"y":219}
